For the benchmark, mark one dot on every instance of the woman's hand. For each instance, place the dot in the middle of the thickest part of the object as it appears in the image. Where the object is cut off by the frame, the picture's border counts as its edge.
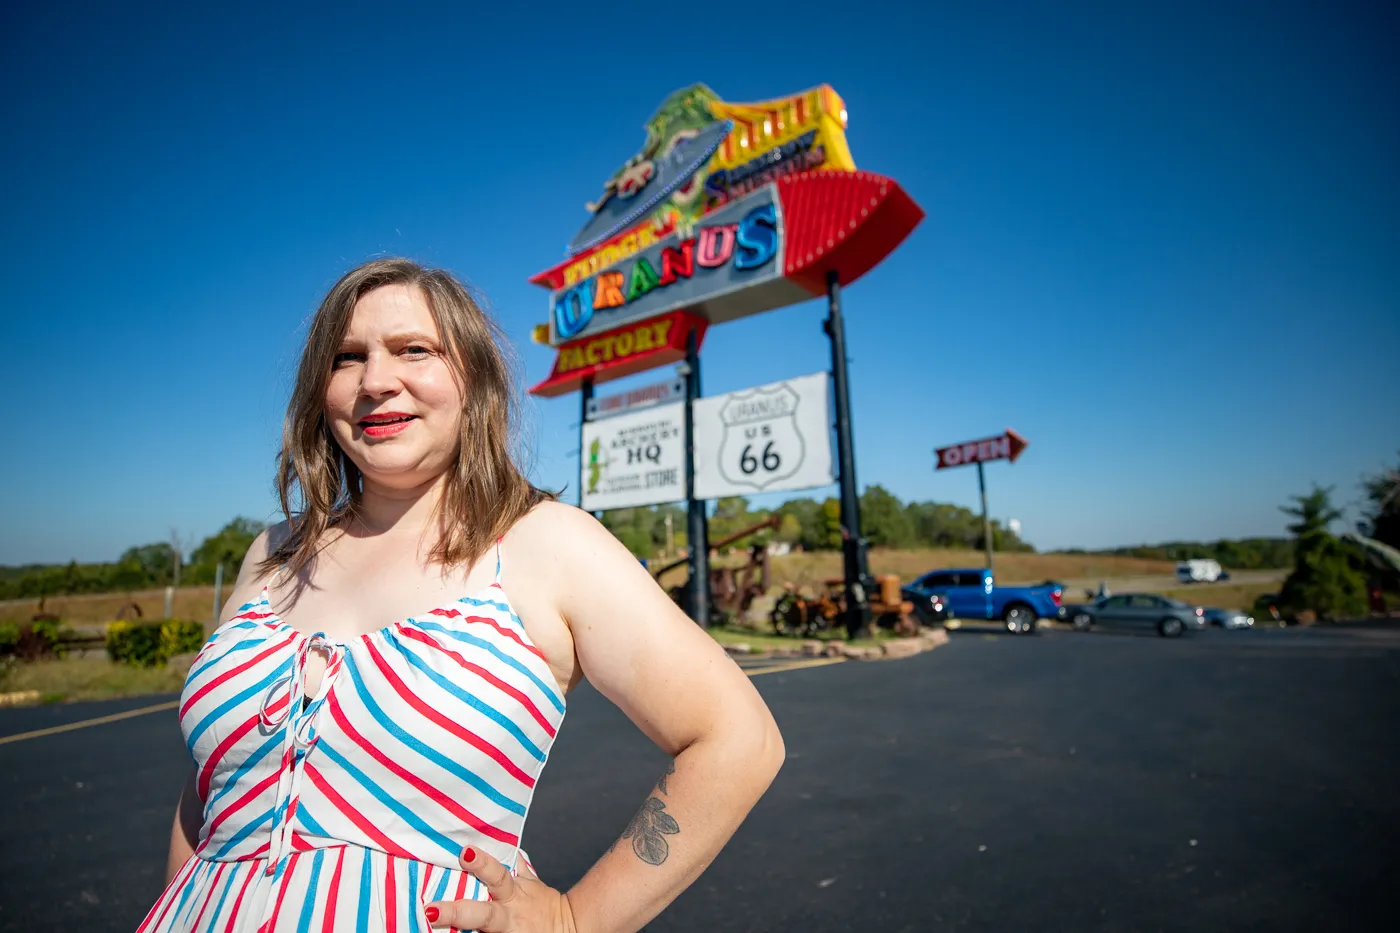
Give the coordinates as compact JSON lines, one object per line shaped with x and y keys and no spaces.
{"x":519,"y":903}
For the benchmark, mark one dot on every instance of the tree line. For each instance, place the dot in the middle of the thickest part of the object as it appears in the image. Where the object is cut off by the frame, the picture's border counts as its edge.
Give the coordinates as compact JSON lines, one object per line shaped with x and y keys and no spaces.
{"x":146,"y":566}
{"x":814,"y":525}
{"x":1236,"y":554}
{"x":1324,"y":571}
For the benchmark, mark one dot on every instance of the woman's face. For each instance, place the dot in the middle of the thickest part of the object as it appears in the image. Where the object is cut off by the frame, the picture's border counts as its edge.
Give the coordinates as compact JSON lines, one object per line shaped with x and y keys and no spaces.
{"x":393,"y":402}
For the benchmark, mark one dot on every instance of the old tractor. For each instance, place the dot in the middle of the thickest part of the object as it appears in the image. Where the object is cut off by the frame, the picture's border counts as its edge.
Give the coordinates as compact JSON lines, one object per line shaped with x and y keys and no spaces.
{"x":796,"y":613}
{"x":732,"y":589}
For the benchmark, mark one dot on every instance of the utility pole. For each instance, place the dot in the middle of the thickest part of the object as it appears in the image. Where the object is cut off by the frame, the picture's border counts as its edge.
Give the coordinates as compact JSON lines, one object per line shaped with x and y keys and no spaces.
{"x":178,"y":556}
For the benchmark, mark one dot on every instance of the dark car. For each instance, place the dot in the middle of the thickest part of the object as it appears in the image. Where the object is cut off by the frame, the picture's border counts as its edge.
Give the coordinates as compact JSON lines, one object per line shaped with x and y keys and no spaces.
{"x":931,"y":608}
{"x":1170,"y":617}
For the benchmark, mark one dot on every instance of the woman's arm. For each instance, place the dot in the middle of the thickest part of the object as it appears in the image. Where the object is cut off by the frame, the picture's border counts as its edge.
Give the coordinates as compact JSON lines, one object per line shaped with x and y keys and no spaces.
{"x":184,"y":834}
{"x":641,"y":652}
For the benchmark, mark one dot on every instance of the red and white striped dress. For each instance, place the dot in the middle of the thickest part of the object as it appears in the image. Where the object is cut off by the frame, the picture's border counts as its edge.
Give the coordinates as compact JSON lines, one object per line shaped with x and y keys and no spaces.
{"x":348,"y":810}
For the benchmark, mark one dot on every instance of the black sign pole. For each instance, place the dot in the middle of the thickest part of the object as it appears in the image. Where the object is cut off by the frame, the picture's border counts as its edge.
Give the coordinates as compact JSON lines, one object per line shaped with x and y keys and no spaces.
{"x":697,"y":588}
{"x":986,"y":522}
{"x":586,"y":393}
{"x":852,"y":545}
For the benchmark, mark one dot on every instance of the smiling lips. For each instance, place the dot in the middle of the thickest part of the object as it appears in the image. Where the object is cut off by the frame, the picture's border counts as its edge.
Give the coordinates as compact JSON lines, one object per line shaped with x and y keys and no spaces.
{"x":385,"y":424}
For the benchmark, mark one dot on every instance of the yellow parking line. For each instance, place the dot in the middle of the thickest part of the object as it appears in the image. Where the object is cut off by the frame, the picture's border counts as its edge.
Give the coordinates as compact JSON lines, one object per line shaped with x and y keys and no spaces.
{"x":83,"y":724}
{"x":792,"y":666}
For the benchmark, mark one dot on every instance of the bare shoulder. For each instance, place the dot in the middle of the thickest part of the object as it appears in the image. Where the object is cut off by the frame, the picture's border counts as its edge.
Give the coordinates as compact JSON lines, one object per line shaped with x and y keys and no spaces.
{"x":553,"y":537}
{"x":250,"y":577}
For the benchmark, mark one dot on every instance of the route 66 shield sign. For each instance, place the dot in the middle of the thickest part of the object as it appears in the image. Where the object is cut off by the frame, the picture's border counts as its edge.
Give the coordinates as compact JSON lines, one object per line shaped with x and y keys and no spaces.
{"x":763,"y":439}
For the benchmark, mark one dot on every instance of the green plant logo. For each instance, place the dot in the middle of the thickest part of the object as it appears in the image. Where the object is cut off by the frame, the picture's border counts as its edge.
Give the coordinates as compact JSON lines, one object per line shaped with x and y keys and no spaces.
{"x":595,"y":465}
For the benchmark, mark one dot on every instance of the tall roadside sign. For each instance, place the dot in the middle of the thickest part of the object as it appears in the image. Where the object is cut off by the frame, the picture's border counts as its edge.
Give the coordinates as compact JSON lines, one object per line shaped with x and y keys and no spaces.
{"x":728,"y":210}
{"x":1005,"y":446}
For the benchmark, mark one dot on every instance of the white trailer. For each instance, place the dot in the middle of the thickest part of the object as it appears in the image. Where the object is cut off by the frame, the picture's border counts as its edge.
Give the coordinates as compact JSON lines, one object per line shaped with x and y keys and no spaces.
{"x":1198,"y":571}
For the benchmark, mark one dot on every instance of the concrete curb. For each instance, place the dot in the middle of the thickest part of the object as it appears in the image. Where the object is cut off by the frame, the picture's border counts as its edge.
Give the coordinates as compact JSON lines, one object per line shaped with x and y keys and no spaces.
{"x":926,"y":640}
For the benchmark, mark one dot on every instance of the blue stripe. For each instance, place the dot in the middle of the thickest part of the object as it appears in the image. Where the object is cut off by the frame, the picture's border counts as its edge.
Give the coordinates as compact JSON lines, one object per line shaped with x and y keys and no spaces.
{"x":475,"y":703}
{"x":189,"y":886}
{"x":366,"y":892}
{"x":428,"y":752}
{"x":479,"y":643}
{"x":248,"y":763}
{"x":442,"y":885}
{"x":411,"y":902}
{"x":246,"y":643}
{"x":233,"y":701}
{"x":304,"y":923}
{"x":228,"y":886}
{"x":243,"y":833}
{"x":305,"y":819}
{"x":498,"y":606}
{"x":384,"y":797}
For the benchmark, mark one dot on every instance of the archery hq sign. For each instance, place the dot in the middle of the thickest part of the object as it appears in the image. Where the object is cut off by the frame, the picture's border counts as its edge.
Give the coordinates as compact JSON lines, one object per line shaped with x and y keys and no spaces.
{"x":728,"y":210}
{"x":634,"y":459}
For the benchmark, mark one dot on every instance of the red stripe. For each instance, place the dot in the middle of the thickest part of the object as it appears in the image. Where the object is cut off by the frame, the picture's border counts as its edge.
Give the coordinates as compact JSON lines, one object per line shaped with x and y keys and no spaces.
{"x":233,"y":917}
{"x":485,"y":675}
{"x":391,"y":909}
{"x":281,"y":893}
{"x":206,"y":773}
{"x":168,"y":898}
{"x":247,"y":798}
{"x":355,"y":816}
{"x":209,"y":895}
{"x":447,"y":803}
{"x":253,"y":616}
{"x":328,"y":922}
{"x":512,"y":635}
{"x":461,"y":892}
{"x":460,"y":731}
{"x":232,"y":672}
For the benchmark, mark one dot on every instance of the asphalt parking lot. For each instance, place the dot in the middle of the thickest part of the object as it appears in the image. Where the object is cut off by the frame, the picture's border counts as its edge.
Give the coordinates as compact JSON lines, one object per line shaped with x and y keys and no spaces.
{"x":1240,"y":780}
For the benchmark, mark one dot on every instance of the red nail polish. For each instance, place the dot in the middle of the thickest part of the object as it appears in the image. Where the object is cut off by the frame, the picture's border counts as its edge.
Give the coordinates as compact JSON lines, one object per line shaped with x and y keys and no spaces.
{"x":432,"y":914}
{"x":469,"y":854}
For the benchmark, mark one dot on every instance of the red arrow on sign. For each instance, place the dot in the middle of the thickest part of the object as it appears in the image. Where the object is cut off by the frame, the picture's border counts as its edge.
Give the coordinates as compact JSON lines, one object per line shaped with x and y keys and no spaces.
{"x":1007,"y":446}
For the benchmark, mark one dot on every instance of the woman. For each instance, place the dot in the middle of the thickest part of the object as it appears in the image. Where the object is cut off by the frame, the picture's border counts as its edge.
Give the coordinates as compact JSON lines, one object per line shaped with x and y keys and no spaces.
{"x":353,"y":775}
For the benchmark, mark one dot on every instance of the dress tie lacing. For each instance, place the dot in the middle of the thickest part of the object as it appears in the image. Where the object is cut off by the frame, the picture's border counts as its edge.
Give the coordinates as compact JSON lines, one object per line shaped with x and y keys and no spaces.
{"x":298,"y":719}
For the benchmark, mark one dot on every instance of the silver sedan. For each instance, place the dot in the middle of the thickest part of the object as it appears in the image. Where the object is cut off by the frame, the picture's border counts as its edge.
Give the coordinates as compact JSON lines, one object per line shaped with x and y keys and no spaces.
{"x":1170,"y":617}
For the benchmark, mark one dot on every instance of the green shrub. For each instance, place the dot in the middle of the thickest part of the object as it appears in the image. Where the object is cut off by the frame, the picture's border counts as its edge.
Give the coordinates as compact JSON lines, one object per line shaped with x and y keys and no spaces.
{"x":151,"y":643}
{"x":9,"y":638}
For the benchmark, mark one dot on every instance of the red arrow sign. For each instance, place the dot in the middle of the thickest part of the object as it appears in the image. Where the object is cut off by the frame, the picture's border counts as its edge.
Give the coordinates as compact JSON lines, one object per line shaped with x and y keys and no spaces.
{"x":1006,"y":446}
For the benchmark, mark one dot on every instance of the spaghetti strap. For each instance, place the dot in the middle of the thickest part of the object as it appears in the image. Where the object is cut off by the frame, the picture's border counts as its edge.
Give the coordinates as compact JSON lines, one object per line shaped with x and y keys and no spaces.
{"x":497,"y":581}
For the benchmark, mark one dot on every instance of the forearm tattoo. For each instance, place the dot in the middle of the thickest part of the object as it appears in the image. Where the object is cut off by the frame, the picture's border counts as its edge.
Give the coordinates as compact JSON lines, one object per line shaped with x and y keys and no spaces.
{"x":652,"y":824}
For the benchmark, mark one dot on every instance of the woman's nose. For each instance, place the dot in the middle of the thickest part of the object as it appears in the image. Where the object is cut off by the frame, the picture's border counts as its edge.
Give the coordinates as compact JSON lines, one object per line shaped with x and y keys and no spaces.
{"x":379,"y":376}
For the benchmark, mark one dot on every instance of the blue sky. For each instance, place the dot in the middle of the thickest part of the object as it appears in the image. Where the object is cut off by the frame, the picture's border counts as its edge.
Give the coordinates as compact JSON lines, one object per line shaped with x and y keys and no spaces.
{"x":1162,"y":243}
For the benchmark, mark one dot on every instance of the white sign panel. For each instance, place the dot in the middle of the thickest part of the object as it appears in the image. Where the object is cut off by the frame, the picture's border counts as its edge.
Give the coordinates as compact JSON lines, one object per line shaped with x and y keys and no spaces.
{"x":764,"y":439}
{"x":634,"y":459}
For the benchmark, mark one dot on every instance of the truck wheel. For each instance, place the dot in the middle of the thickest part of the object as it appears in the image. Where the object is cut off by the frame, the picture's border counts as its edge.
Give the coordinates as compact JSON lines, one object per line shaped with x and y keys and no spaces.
{"x":1020,"y":620}
{"x":1170,"y":627}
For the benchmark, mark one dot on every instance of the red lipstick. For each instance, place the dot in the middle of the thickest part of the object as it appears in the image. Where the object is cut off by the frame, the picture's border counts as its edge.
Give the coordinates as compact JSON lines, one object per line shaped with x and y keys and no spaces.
{"x":385,"y":423}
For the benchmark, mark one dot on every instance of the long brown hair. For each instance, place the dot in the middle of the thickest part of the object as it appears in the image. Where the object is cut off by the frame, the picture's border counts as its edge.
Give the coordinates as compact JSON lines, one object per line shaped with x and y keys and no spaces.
{"x":485,"y":493}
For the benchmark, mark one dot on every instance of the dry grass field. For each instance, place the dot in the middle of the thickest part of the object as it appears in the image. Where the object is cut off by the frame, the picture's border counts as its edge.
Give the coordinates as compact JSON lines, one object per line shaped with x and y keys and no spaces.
{"x":1077,"y":571}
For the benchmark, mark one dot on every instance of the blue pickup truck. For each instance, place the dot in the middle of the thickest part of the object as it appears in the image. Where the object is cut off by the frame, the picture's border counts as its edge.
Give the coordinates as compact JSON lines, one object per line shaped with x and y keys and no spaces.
{"x":973,"y":594}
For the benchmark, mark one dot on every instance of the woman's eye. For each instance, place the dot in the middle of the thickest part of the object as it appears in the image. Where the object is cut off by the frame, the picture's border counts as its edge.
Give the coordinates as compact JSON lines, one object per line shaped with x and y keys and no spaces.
{"x":416,"y":352}
{"x":343,"y":358}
